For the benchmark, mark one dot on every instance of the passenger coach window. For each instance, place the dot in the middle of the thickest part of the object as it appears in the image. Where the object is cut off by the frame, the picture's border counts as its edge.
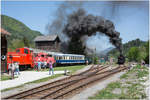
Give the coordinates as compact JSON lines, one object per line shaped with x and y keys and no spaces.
{"x":60,"y":58}
{"x":26,"y":51}
{"x":54,"y":57}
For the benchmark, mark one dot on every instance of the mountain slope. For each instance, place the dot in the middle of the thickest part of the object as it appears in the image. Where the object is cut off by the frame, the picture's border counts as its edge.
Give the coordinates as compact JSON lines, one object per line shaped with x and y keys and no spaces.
{"x":134,"y":43}
{"x":18,"y":30}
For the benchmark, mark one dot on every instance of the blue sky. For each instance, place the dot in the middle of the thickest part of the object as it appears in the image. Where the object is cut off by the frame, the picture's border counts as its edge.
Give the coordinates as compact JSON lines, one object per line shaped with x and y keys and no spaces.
{"x":130,"y":19}
{"x":33,"y":14}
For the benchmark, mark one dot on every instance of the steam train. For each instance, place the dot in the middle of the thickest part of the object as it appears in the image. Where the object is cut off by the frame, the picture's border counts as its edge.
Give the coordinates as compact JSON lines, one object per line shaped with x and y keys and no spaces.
{"x":27,"y":57}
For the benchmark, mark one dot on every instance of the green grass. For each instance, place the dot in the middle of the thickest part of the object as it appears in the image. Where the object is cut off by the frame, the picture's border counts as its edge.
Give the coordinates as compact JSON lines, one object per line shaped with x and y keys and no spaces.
{"x":124,"y":76}
{"x":7,"y":89}
{"x":5,"y":77}
{"x":107,"y":92}
{"x":114,"y":85}
{"x":142,"y":73}
{"x":140,"y":70}
{"x":134,"y":91}
{"x":103,"y":95}
{"x":36,"y":81}
{"x":71,"y":68}
{"x":46,"y":78}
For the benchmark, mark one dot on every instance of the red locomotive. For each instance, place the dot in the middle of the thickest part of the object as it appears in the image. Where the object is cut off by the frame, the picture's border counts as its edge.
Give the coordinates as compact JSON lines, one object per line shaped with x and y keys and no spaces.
{"x":26,"y":57}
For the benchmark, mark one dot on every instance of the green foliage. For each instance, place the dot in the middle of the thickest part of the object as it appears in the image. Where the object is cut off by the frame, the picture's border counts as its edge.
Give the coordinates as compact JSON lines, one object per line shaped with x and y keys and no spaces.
{"x":72,"y":69}
{"x":147,"y":53}
{"x":147,"y":47}
{"x":95,"y":60}
{"x":33,"y":82}
{"x":141,"y":71}
{"x":107,"y":92}
{"x":5,"y":77}
{"x":126,"y":47}
{"x":75,"y":46}
{"x":26,"y":42}
{"x":45,"y":79}
{"x":113,"y":85}
{"x":18,"y":31}
{"x":16,"y":43}
{"x":138,"y":46}
{"x":147,"y":59}
{"x":134,"y":54}
{"x":129,"y":84}
{"x":124,"y":76}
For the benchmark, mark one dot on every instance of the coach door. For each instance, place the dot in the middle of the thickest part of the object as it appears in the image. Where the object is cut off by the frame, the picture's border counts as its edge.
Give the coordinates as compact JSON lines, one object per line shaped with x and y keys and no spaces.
{"x":27,"y":57}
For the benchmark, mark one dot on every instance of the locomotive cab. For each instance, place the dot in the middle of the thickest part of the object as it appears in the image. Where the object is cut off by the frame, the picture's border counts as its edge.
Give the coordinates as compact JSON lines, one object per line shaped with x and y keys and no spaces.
{"x":23,"y":56}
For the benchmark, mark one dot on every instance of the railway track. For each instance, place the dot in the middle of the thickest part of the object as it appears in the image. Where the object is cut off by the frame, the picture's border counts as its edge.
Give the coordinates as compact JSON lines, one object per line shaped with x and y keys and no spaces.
{"x":59,"y":89}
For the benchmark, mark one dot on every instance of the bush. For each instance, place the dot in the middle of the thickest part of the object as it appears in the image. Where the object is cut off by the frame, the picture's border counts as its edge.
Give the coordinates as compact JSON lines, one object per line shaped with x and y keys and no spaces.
{"x":134,"y":54}
{"x":95,"y":60}
{"x":147,"y":53}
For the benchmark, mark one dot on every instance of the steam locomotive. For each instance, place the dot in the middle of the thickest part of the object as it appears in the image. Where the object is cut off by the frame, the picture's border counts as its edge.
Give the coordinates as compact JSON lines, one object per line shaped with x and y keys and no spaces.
{"x":121,"y":59}
{"x":27,"y":57}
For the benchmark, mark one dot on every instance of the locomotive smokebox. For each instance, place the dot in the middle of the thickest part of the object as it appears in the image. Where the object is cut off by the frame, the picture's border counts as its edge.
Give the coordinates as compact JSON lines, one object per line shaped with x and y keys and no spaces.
{"x":121,"y":59}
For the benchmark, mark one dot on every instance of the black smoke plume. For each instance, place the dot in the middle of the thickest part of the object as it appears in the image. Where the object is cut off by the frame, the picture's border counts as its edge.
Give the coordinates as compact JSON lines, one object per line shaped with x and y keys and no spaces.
{"x":80,"y":24}
{"x":60,"y":19}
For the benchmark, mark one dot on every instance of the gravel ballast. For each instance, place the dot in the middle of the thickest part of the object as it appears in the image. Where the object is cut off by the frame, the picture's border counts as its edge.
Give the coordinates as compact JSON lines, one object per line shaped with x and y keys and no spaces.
{"x":94,"y":89}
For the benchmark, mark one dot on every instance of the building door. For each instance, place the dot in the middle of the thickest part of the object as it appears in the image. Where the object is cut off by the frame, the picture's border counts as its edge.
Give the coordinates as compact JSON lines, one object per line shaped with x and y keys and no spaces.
{"x":3,"y":53}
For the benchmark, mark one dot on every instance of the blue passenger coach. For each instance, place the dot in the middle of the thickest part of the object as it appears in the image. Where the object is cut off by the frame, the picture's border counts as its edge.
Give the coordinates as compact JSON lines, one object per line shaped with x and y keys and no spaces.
{"x":69,"y":59}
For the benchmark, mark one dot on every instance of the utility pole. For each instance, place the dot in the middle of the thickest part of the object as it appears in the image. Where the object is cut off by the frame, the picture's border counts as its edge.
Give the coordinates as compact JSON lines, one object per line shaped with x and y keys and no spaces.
{"x":95,"y":51}
{"x":95,"y":56}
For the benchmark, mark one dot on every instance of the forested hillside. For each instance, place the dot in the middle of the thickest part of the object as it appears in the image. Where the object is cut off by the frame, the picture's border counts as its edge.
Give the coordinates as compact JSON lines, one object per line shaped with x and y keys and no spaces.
{"x":21,"y":35}
{"x":135,"y":49}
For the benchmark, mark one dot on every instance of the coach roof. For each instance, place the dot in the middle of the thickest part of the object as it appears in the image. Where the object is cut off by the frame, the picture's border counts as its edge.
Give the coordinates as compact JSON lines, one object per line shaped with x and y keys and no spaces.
{"x":46,"y":38}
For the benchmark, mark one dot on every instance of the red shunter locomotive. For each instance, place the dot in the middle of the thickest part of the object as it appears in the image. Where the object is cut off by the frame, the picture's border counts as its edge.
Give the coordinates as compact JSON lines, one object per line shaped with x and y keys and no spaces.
{"x":26,"y":57}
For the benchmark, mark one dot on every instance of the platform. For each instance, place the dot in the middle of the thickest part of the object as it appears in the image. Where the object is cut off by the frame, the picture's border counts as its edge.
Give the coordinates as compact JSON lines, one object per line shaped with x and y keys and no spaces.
{"x":25,"y":77}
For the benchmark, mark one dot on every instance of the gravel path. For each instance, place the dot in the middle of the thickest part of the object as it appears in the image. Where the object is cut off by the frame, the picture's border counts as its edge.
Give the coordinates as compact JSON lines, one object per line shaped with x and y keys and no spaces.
{"x":32,"y":85}
{"x":147,"y":84}
{"x":94,"y":89}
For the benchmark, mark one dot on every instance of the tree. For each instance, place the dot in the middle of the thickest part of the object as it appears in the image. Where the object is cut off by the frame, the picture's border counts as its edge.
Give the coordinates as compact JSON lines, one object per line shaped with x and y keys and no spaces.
{"x":147,"y":53}
{"x":95,"y":60}
{"x":17,"y":44}
{"x":76,"y":46}
{"x":134,"y":54}
{"x":126,"y":47}
{"x":26,"y":42}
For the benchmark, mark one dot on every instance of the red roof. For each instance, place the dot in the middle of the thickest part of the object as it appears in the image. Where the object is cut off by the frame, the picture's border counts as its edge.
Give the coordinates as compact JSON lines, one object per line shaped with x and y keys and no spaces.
{"x":4,"y":31}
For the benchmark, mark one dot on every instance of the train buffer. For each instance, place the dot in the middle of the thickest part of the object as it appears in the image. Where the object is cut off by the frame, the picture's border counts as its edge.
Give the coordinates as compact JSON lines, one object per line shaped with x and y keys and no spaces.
{"x":66,"y":72}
